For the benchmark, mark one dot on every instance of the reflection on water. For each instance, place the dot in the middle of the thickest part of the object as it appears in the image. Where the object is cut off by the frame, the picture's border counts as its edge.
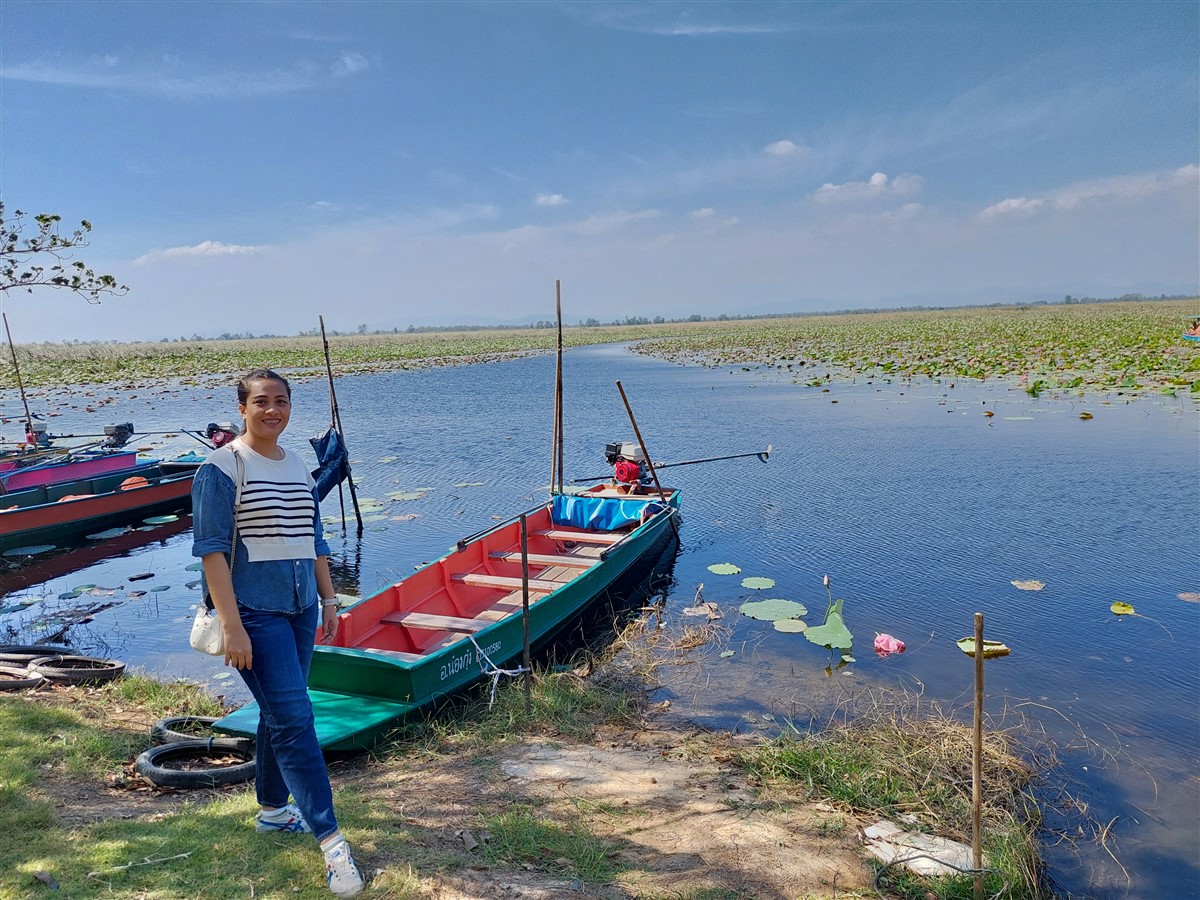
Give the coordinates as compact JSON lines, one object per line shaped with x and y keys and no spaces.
{"x":920,"y":508}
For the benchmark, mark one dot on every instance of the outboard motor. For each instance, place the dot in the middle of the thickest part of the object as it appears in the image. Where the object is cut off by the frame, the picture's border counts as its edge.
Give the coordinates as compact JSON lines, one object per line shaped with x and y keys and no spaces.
{"x":221,"y":433}
{"x":628,"y":462}
{"x":116,"y":436}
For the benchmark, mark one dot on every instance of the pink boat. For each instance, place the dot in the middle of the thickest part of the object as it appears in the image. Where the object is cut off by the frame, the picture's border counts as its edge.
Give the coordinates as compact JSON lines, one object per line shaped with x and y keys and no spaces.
{"x":71,"y":468}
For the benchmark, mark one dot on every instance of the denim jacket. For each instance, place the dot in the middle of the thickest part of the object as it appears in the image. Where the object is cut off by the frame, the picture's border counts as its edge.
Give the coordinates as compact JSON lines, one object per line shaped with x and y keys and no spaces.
{"x":284,"y":585}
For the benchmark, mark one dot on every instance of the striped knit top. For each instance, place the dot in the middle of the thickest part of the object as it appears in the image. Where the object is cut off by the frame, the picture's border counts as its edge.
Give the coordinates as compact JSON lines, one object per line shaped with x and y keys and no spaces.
{"x":275,"y":519}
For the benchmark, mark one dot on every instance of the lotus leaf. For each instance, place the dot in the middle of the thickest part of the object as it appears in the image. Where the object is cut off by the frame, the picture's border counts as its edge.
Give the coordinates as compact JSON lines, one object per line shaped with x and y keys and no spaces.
{"x":405,"y":495}
{"x":1030,"y":585}
{"x":69,"y":595}
{"x":1189,"y":596}
{"x":106,"y":534}
{"x":991,"y":649}
{"x":791,"y":626}
{"x":757,"y":583}
{"x":1122,"y":609}
{"x":161,"y":520}
{"x":833,"y":633}
{"x":194,"y":567}
{"x":29,"y":551}
{"x":388,"y":459}
{"x":773,"y":610}
{"x":725,"y":654}
{"x":724,"y":569}
{"x":83,"y":587}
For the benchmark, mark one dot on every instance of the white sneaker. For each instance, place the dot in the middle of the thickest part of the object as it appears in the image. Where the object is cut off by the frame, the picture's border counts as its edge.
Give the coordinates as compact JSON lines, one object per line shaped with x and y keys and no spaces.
{"x":287,"y":819}
{"x":345,"y":878}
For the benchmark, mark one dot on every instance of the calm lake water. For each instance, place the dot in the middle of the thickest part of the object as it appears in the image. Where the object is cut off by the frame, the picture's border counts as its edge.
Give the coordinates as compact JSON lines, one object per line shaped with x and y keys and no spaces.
{"x":921,"y":509}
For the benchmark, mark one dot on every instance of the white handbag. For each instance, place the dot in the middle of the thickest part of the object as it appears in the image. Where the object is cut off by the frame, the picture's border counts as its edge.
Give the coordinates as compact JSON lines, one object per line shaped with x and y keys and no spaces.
{"x":207,"y":635}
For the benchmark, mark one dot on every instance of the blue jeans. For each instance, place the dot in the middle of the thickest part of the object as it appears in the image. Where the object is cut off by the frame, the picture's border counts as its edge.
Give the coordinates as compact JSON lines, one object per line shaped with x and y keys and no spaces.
{"x":288,"y":758}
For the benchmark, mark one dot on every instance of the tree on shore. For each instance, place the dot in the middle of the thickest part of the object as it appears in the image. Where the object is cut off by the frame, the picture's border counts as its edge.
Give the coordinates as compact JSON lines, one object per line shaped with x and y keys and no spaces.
{"x":25,"y":259}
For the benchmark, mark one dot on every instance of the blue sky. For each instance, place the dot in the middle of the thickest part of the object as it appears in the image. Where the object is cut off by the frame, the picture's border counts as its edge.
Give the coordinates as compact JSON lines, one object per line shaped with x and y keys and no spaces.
{"x":249,"y":166}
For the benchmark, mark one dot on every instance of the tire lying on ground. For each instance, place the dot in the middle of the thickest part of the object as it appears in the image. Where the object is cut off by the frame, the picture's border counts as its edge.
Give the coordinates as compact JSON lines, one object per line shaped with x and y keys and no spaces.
{"x":197,"y":764}
{"x":24,"y":654}
{"x":181,"y":728}
{"x":15,"y":678}
{"x":77,"y":669}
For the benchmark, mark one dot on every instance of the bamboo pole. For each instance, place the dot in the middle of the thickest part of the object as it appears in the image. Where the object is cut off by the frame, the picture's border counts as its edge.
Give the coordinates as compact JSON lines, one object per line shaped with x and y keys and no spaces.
{"x":646,"y":453}
{"x":559,"y":409}
{"x":21,"y":386}
{"x":977,"y":764}
{"x":526,"y":657}
{"x":337,"y":424}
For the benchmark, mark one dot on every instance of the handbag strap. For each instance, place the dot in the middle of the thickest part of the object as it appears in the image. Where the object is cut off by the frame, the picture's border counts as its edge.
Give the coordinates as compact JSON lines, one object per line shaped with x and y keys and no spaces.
{"x":237,"y":502}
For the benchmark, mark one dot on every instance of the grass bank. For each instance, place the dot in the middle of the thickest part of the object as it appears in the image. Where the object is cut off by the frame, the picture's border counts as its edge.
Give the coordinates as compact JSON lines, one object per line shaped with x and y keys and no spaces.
{"x":475,"y":797}
{"x":1131,"y":347}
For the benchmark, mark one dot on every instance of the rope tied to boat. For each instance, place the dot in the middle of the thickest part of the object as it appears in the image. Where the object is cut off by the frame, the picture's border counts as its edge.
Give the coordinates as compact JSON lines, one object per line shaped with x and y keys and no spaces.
{"x":487,"y":667}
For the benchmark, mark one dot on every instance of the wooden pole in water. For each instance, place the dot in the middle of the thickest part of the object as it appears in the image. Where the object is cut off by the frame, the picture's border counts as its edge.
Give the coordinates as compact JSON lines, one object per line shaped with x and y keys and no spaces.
{"x":646,"y":453}
{"x":337,"y":424}
{"x":556,"y":448}
{"x":977,"y":764}
{"x":21,"y":386}
{"x":559,"y":407}
{"x":526,"y":660}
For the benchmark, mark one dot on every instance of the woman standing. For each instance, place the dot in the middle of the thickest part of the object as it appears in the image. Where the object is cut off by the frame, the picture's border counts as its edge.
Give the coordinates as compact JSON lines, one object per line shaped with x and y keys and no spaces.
{"x":269,"y":607}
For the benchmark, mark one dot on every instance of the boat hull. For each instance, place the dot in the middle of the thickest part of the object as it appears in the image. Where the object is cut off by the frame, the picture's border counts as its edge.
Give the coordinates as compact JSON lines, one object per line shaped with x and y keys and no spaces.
{"x":52,"y":512}
{"x":387,"y":668}
{"x":71,"y":469}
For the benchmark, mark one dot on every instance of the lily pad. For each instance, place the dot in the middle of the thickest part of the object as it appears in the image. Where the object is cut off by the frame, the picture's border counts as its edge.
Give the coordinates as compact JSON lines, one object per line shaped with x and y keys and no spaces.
{"x":773,"y":610}
{"x":161,"y":520}
{"x":725,"y":654}
{"x":1122,"y":609}
{"x":32,"y":550}
{"x":194,"y":567}
{"x":106,"y":534}
{"x":834,"y":632}
{"x":791,"y":626}
{"x":159,"y":588}
{"x":141,"y":576}
{"x":469,"y":484}
{"x":1189,"y":596}
{"x":991,"y":649}
{"x":758,"y":583}
{"x":83,"y":587}
{"x":1030,"y":585}
{"x":405,"y":495}
{"x":388,"y":459}
{"x":69,"y":595}
{"x":724,"y":569}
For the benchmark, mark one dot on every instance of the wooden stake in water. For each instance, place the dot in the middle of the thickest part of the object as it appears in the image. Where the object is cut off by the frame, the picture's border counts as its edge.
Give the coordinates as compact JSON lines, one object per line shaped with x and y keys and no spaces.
{"x":556,"y":450}
{"x":646,"y":453}
{"x":977,"y":764}
{"x":525,"y":659}
{"x":336,"y":415}
{"x":20,"y":386}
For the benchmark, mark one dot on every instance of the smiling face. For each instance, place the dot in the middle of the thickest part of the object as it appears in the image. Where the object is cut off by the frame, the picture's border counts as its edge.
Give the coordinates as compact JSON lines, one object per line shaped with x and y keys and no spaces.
{"x":266,"y":409}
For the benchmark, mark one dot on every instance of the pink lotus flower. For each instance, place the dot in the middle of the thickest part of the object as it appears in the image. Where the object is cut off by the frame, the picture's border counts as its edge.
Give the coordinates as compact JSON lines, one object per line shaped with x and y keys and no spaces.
{"x":886,"y":645}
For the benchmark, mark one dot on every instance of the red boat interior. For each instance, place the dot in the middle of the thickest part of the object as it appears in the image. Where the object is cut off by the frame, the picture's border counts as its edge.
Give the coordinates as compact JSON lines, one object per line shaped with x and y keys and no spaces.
{"x":472,"y":588}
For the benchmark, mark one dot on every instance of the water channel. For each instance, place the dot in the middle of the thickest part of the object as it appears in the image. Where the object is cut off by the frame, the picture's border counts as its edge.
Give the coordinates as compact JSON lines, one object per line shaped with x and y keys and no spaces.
{"x":921,"y":508}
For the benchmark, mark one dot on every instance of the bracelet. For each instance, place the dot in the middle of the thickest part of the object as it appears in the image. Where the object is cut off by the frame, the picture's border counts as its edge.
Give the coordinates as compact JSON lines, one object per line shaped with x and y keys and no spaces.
{"x":330,"y":601}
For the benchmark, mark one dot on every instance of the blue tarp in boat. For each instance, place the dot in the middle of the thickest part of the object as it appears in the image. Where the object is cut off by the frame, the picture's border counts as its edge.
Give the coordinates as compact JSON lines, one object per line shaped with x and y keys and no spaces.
{"x":599,"y":513}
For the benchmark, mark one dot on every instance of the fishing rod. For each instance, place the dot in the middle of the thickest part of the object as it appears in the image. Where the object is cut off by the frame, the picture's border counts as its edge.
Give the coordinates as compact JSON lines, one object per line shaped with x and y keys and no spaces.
{"x":763,"y":455}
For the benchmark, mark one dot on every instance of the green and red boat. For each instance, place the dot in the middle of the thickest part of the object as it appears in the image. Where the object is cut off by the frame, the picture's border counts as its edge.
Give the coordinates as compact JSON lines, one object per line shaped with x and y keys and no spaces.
{"x":49,"y":513}
{"x":460,"y":618}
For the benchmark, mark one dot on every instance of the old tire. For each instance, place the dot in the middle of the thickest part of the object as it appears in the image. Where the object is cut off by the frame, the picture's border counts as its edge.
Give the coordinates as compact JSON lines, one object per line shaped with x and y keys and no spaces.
{"x":165,"y":765}
{"x":181,"y":728}
{"x":77,"y":669}
{"x":24,"y":654}
{"x":15,"y":678}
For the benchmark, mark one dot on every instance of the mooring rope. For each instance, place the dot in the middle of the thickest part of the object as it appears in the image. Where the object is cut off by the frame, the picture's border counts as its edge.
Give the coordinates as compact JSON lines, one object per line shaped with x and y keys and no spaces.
{"x":495,"y":671}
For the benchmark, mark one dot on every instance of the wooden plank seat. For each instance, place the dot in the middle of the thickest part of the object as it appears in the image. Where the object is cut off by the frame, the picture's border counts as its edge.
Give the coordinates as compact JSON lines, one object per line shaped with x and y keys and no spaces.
{"x":547,"y":559}
{"x":436,"y":623}
{"x":479,"y":579}
{"x":582,"y":537}
{"x":395,"y":654}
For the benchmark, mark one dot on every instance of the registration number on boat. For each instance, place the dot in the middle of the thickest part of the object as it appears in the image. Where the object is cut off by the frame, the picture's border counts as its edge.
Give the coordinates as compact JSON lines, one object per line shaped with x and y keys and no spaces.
{"x":460,"y":663}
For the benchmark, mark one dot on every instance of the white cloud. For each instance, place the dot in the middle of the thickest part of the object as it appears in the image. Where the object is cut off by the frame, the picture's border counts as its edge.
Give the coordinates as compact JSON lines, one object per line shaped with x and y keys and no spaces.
{"x":705,"y":213}
{"x":1013,"y":206}
{"x":1121,"y":189}
{"x":782,"y":148}
{"x":169,"y":76}
{"x":348,"y":63}
{"x":204,"y":248}
{"x":550,"y":200}
{"x":878,"y":185}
